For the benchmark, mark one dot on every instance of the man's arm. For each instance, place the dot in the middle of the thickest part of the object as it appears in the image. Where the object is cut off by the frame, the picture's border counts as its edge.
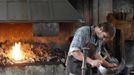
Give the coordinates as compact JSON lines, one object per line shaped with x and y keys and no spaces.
{"x":79,"y":56}
{"x":98,"y":56}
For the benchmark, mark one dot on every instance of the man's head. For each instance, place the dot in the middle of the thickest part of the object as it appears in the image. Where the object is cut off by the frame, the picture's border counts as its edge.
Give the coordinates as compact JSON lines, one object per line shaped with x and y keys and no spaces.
{"x":105,"y":31}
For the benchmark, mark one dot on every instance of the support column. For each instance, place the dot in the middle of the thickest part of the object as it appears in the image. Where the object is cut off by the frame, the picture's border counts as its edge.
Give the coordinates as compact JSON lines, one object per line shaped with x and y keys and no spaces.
{"x":95,"y":12}
{"x":100,"y":10}
{"x":105,"y":7}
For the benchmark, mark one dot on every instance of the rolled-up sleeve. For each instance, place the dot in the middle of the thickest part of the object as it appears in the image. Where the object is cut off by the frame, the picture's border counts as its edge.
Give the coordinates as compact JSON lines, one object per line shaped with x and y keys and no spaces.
{"x":79,"y":39}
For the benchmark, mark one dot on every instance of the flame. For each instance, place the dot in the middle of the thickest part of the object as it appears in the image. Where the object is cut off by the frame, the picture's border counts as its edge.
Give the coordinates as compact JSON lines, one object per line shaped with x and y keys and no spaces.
{"x":17,"y":53}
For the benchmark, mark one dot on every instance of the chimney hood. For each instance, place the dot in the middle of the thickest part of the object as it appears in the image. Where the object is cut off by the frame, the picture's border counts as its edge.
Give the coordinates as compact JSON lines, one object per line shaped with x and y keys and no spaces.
{"x":37,"y":11}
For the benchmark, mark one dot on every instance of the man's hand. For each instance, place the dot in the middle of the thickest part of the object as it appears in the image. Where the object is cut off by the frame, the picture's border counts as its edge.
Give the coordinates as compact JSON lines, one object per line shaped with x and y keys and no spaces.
{"x":105,"y":63}
{"x":96,"y":63}
{"x":112,"y":65}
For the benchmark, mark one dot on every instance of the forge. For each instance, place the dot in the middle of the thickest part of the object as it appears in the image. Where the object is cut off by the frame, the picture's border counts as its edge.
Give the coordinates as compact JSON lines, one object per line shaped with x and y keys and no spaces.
{"x":30,"y":59}
{"x":22,"y":53}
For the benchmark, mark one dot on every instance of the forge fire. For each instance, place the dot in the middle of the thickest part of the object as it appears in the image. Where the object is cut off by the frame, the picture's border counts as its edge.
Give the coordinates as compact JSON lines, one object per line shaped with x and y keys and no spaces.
{"x":26,"y":53}
{"x":19,"y":53}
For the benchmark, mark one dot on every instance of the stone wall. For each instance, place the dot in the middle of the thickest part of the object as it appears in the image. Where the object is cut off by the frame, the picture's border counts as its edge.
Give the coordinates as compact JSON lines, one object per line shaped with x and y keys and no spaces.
{"x":34,"y":70}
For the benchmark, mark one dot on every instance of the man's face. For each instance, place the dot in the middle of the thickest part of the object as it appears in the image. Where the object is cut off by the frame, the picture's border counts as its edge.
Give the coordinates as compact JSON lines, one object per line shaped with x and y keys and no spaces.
{"x":103,"y":35}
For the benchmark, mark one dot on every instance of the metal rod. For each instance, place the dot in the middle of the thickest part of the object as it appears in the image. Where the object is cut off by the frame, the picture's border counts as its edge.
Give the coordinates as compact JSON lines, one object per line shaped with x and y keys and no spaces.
{"x":84,"y":67}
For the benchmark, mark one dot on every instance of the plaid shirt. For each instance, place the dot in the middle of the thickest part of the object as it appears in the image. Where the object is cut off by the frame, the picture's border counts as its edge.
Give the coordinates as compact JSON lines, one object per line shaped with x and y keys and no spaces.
{"x":82,"y":37}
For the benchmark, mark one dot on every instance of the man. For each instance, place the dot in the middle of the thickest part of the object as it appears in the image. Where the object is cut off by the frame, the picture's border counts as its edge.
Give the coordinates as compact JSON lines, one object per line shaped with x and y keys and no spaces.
{"x":85,"y":35}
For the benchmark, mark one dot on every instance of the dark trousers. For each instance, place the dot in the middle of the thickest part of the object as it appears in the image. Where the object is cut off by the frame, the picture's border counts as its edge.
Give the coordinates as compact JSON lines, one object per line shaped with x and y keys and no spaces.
{"x":74,"y":66}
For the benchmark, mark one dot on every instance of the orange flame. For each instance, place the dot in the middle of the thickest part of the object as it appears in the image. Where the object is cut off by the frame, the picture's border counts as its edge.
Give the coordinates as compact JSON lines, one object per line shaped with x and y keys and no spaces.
{"x":17,"y":53}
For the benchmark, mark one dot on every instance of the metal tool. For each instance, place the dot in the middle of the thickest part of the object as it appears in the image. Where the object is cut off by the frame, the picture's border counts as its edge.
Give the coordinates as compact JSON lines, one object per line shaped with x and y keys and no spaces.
{"x":111,"y":71}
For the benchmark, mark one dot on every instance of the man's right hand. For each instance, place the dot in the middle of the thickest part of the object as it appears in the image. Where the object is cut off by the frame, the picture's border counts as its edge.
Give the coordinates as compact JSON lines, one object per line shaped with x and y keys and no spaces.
{"x":96,"y":63}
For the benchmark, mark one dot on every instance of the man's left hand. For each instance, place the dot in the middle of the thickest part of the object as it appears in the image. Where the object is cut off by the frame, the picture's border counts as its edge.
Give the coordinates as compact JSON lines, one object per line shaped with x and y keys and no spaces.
{"x":112,"y":65}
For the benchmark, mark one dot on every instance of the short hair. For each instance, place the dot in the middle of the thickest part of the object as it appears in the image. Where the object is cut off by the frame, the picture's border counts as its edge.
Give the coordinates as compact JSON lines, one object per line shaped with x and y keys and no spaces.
{"x":108,"y":28}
